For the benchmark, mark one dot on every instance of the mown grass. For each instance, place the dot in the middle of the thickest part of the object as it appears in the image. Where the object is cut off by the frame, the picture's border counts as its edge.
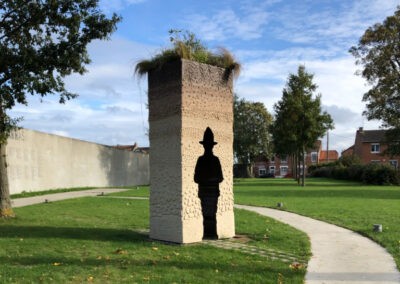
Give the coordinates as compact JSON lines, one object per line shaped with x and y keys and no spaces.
{"x":347,"y":204}
{"x":101,"y":240}
{"x":49,"y":191}
{"x":143,"y":189}
{"x":135,"y":191}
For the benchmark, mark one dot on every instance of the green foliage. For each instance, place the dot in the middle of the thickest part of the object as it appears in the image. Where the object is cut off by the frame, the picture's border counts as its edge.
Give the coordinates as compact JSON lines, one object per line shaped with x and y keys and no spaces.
{"x":251,"y":130}
{"x":41,"y":42}
{"x":299,"y":121}
{"x":378,"y":52}
{"x":186,"y":45}
{"x":378,"y":174}
{"x":7,"y":125}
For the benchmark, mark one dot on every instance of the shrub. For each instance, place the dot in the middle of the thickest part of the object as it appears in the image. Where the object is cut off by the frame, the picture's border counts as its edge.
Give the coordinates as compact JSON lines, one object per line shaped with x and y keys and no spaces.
{"x":369,"y":174}
{"x":340,"y":172}
{"x":355,"y":172}
{"x":324,"y":171}
{"x":380,"y":175}
{"x":348,"y":161}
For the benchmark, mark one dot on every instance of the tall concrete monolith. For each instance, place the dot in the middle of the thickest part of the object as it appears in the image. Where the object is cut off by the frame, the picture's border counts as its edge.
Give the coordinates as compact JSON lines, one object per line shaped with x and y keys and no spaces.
{"x":185,"y":98}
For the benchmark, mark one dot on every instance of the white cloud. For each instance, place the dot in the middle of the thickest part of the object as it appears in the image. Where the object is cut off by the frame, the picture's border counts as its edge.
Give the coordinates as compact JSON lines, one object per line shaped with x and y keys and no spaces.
{"x":301,"y":23}
{"x":335,"y":78}
{"x":227,"y":23}
{"x":271,"y":39}
{"x":110,"y":108}
{"x":117,"y":5}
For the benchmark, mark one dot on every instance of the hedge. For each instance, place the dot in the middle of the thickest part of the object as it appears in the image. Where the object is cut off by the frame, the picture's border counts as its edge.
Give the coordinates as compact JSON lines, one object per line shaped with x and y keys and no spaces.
{"x":368,"y":174}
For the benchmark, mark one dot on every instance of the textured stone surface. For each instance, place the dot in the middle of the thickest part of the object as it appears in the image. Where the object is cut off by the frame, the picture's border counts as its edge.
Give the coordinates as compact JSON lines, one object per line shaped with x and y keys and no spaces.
{"x":183,"y":102}
{"x":39,"y":161}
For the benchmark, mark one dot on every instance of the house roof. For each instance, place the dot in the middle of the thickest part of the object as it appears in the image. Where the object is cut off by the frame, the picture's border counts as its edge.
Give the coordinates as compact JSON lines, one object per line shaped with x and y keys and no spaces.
{"x":133,"y":148}
{"x":366,"y":136}
{"x":126,"y":147}
{"x":333,"y":155}
{"x":351,"y":148}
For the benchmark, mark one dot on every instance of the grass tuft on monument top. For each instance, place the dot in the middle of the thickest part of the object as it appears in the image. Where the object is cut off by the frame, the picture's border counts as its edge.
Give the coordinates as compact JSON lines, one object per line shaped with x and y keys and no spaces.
{"x":348,"y":204}
{"x":185,"y":45}
{"x":104,"y":240}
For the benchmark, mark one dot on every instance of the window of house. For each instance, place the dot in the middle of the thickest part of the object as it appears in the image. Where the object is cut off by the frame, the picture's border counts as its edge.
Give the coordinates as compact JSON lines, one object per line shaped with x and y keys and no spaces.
{"x":262,"y":172}
{"x":300,"y":169}
{"x":284,"y":159}
{"x":284,"y":170}
{"x":314,"y":157}
{"x":375,"y":148}
{"x":272,"y":170}
{"x":394,"y":163}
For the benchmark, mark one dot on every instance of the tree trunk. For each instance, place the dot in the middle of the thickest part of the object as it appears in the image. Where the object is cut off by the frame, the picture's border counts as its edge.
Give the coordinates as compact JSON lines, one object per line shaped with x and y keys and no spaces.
{"x":294,"y":165}
{"x":303,"y":176}
{"x":249,"y":170}
{"x":5,"y":201}
{"x":298,"y":174}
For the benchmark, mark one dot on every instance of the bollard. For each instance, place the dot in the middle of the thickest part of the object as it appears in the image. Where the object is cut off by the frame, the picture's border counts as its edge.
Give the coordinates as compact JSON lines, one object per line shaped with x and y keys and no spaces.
{"x":377,"y":228}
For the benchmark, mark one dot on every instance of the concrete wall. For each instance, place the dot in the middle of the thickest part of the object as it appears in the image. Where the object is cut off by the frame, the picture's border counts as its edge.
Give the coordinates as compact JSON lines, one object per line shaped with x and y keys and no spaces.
{"x":185,"y":98}
{"x":39,"y":161}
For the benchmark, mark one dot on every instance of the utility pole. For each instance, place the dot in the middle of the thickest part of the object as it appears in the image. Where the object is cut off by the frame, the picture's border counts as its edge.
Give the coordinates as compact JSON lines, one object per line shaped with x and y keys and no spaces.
{"x":327,"y":146}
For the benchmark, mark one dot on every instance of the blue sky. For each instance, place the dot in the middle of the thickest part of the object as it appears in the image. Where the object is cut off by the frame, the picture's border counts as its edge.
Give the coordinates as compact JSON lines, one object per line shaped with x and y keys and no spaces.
{"x":269,"y":38}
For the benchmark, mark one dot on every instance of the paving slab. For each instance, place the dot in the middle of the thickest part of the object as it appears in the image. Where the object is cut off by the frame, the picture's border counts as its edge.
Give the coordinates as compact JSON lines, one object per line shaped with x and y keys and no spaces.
{"x":25,"y":201}
{"x":338,"y":255}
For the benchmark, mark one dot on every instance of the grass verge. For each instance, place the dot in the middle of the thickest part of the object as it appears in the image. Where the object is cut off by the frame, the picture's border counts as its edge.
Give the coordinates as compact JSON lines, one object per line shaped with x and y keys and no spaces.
{"x":101,"y":240}
{"x":49,"y":191}
{"x":347,"y":204}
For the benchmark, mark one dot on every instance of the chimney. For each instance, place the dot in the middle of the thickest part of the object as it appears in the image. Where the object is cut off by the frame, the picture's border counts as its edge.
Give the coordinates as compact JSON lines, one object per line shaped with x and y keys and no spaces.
{"x":361,"y":129}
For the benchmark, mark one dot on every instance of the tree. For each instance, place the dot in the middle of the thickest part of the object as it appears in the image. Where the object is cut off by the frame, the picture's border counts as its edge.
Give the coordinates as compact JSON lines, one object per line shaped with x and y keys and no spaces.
{"x":298,"y":119}
{"x":42,"y":42}
{"x":378,"y":52}
{"x":251,"y":131}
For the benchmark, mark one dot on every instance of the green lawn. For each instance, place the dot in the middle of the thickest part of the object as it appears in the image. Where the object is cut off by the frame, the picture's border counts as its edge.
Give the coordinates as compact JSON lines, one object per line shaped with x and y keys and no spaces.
{"x":49,"y":191}
{"x":104,"y":240}
{"x":347,"y":204}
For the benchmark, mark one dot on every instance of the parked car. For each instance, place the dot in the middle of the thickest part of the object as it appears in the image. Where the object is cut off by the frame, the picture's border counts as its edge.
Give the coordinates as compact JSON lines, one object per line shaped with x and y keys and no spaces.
{"x":268,"y":175}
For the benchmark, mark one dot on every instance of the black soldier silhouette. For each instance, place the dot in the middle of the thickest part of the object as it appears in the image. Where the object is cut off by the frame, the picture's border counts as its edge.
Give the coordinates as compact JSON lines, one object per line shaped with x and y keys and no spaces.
{"x":208,"y":175}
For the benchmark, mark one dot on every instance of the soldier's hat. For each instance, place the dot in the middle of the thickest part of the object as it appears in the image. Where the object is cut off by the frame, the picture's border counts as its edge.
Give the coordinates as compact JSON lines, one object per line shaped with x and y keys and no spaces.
{"x":208,"y":138}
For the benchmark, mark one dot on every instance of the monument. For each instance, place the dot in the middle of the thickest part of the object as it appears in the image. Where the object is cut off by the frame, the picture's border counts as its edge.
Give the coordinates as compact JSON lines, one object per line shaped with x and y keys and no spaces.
{"x":188,"y":102}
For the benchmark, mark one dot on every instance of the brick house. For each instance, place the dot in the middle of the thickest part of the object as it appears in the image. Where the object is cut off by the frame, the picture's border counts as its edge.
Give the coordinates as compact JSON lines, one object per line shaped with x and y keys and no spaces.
{"x":328,"y":156}
{"x":275,"y":166}
{"x":369,"y":147}
{"x":348,"y":152}
{"x":283,"y":166}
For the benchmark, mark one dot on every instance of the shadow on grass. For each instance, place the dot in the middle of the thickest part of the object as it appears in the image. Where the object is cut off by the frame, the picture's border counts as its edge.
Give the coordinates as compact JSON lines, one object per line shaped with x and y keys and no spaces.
{"x":143,"y":263}
{"x":289,"y":183}
{"x":95,"y":234}
{"x":299,"y":193}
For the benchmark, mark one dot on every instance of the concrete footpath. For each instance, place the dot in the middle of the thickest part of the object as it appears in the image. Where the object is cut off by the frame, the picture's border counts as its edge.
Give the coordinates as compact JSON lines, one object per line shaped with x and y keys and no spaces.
{"x":338,"y":255}
{"x":25,"y":201}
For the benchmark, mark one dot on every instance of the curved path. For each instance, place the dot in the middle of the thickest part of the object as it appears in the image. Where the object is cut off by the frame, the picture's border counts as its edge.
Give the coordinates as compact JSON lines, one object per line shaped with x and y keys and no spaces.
{"x":338,"y":255}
